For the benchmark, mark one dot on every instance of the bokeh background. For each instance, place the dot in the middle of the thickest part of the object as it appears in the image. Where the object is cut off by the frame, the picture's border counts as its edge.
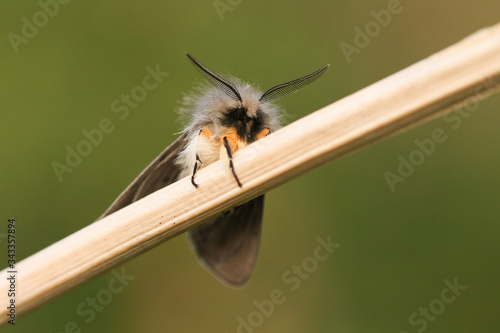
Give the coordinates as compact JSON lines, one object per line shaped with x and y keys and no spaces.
{"x":396,"y":247}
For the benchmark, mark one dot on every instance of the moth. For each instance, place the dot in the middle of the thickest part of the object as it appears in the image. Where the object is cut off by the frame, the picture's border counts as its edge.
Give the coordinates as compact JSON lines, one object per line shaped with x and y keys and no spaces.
{"x":226,"y":116}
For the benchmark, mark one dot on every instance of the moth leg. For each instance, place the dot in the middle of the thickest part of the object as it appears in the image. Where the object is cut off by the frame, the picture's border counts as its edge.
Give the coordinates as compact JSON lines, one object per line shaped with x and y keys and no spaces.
{"x":208,"y":136}
{"x":230,"y":156}
{"x":194,"y":170}
{"x":263,"y":133}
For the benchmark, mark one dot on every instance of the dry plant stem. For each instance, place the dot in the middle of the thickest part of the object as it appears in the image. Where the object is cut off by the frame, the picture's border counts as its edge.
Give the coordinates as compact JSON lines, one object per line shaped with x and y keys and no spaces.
{"x":440,"y":83}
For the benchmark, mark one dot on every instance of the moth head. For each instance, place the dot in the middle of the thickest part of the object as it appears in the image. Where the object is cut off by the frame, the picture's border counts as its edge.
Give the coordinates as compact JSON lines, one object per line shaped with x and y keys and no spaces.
{"x":270,"y":95}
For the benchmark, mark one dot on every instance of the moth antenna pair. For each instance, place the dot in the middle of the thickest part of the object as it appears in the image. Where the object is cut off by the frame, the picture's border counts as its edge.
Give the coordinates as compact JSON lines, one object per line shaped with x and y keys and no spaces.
{"x":270,"y":95}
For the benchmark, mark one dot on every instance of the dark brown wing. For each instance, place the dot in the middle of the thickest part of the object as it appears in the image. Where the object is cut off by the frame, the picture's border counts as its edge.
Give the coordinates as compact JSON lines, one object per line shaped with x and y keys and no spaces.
{"x":161,"y":172}
{"x":228,"y":245}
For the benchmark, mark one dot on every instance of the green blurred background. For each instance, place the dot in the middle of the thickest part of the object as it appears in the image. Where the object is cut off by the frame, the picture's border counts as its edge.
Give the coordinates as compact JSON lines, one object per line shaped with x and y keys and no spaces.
{"x":397,"y":247}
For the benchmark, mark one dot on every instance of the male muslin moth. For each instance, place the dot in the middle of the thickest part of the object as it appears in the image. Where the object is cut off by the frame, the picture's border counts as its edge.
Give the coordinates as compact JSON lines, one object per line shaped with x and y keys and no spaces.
{"x":226,"y":116}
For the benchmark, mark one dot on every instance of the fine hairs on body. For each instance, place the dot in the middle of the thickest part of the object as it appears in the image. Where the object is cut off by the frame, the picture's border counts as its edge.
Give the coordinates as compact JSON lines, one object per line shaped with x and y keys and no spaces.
{"x":225,"y":117}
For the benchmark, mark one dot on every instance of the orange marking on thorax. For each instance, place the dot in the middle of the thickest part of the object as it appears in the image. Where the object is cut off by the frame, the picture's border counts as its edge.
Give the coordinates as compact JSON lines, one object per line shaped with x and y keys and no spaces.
{"x":235,"y":142}
{"x":262,"y":134}
{"x":208,"y":134}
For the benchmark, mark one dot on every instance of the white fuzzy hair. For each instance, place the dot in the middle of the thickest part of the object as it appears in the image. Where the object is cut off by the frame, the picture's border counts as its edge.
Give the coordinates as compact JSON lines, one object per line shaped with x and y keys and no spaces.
{"x":205,"y":106}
